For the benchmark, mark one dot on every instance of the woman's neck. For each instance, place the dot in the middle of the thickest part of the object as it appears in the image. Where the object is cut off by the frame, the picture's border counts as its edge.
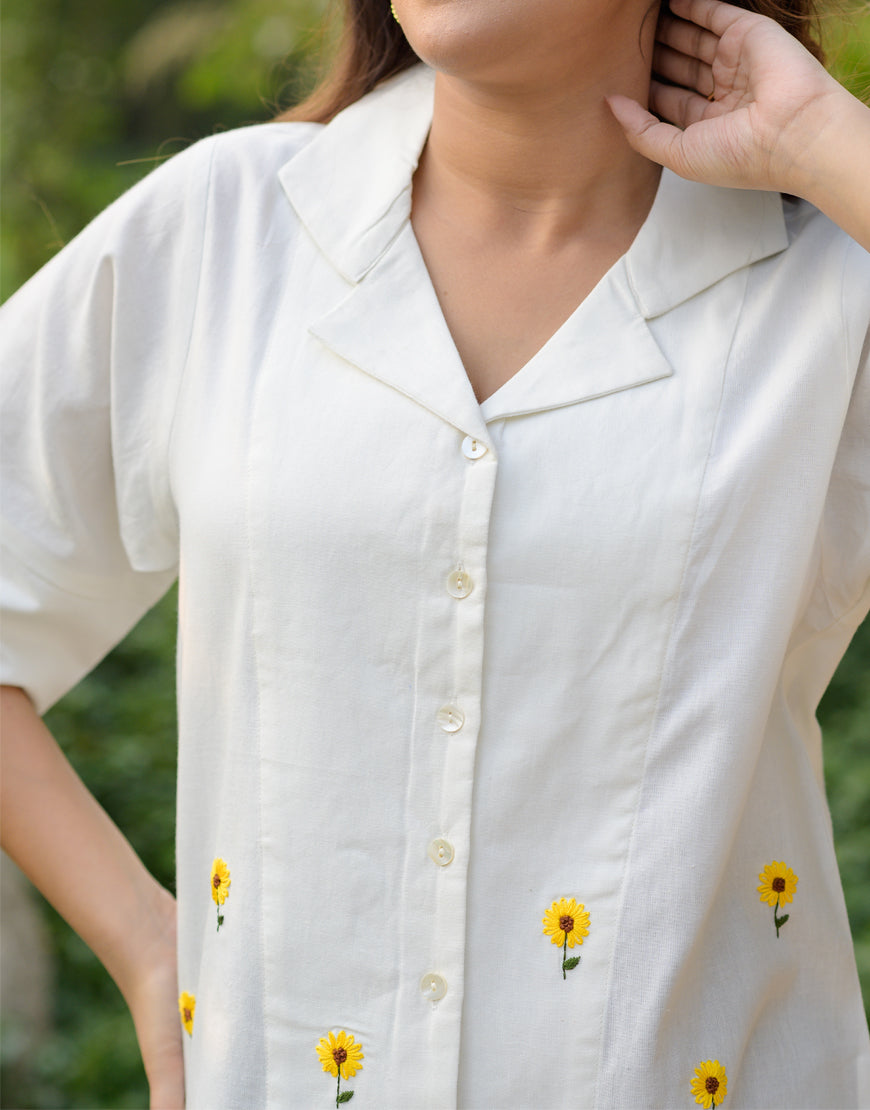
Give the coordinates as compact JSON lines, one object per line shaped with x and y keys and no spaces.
{"x":536,"y":171}
{"x":530,"y":148}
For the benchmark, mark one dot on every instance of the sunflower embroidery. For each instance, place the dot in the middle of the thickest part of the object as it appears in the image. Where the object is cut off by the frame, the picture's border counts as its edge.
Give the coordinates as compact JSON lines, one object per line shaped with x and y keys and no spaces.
{"x":566,"y":922}
{"x":710,"y":1084}
{"x":778,"y":884}
{"x":186,"y":1006}
{"x":220,"y":887}
{"x":340,"y":1056}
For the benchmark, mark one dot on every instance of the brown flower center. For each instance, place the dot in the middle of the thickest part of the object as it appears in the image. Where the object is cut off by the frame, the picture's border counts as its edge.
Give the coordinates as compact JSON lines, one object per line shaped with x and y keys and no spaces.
{"x":566,"y":922}
{"x":712,"y":1085}
{"x":188,"y":1016}
{"x":778,"y":884}
{"x":215,"y":880}
{"x":339,"y":1055}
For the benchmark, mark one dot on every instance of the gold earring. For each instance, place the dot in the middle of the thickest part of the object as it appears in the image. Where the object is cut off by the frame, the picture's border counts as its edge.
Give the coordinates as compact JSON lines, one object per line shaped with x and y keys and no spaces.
{"x":393,"y":10}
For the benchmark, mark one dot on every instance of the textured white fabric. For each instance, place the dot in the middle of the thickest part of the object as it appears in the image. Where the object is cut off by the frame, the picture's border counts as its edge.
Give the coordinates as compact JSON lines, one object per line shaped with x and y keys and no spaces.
{"x":239,"y":373}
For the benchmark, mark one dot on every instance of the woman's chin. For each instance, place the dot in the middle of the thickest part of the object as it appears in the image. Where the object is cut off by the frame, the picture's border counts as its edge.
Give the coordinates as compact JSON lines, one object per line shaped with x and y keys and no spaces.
{"x":467,"y":37}
{"x":512,"y":42}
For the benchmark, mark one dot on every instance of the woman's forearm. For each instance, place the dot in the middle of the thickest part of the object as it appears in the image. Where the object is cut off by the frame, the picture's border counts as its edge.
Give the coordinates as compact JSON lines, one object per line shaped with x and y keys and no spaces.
{"x":68,"y":846}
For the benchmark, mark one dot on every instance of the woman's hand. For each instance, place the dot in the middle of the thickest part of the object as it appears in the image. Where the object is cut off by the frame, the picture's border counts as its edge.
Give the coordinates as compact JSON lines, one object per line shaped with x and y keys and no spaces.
{"x":749,"y":107}
{"x":152,"y":996}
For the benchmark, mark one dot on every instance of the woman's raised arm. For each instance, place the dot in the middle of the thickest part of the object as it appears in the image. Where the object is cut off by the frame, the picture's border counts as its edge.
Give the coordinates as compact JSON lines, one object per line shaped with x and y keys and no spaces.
{"x":750,"y":108}
{"x":71,"y":850}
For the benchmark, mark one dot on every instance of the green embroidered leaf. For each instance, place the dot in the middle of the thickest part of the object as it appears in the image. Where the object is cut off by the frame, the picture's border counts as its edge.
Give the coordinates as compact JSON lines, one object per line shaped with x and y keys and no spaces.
{"x":568,"y":964}
{"x":345,"y":1096}
{"x":780,"y":921}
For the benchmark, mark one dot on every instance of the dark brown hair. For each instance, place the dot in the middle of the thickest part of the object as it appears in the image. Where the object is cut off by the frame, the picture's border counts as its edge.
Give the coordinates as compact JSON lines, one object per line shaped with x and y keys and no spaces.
{"x":372,"y":47}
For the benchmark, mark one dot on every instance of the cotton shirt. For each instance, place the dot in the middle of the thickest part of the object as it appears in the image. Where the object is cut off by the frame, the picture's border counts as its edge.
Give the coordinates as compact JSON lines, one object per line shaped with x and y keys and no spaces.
{"x":445,"y":666}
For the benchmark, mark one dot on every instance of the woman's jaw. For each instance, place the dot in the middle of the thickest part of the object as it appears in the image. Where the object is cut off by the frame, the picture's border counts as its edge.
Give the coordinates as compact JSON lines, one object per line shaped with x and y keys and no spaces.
{"x":549,"y":50}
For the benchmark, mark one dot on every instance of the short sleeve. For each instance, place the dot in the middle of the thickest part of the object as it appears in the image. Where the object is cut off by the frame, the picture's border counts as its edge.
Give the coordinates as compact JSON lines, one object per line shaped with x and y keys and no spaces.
{"x":93,"y":350}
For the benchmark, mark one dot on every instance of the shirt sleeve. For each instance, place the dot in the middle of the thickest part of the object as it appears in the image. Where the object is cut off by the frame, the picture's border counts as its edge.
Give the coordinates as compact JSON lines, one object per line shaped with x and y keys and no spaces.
{"x":93,"y":350}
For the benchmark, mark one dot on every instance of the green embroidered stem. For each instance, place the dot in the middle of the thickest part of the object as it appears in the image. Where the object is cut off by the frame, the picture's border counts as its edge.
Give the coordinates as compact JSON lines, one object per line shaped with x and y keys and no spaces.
{"x":568,"y":965}
{"x":779,"y":921}
{"x":338,"y":1088}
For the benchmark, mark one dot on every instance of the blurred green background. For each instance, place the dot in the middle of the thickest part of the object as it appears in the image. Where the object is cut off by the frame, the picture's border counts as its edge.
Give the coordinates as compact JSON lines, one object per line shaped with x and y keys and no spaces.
{"x":95,"y":93}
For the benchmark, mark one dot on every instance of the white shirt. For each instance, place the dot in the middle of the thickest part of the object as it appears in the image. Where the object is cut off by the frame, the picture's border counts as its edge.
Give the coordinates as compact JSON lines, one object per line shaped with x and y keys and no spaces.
{"x":443,"y":665}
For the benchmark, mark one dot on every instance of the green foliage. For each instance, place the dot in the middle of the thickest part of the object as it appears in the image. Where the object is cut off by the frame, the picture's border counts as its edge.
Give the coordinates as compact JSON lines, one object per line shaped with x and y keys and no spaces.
{"x":845,"y":718}
{"x":847,"y":46}
{"x":94,"y":93}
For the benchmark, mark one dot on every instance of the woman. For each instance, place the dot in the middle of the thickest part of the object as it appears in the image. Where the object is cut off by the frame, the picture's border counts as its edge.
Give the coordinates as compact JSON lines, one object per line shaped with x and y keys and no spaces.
{"x":518,"y":495}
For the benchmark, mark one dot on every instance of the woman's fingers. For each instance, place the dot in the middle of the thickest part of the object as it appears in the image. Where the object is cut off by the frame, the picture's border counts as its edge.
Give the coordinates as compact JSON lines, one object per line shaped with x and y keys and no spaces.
{"x":683,"y":70}
{"x":687,"y":38}
{"x":650,"y":137}
{"x":714,"y":15}
{"x":682,"y":107}
{"x":770,"y":124}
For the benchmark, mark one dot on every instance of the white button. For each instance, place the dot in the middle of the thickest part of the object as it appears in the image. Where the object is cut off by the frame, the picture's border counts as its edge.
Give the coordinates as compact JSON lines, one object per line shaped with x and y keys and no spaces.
{"x":473,"y":448}
{"x":450,"y":718}
{"x":459,"y":584}
{"x":433,"y":986}
{"x":441,"y":852}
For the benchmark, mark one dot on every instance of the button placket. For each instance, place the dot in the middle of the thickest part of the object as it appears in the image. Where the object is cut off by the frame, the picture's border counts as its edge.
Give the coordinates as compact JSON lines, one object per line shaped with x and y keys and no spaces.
{"x":459,"y":718}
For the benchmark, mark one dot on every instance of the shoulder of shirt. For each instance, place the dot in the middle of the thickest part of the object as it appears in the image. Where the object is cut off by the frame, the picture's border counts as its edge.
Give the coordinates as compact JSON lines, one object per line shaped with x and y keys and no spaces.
{"x":810,"y":229}
{"x":243,"y":162}
{"x":272,"y":143}
{"x":829,"y":260}
{"x":821,"y":253}
{"x":242,"y":158}
{"x":261,"y":147}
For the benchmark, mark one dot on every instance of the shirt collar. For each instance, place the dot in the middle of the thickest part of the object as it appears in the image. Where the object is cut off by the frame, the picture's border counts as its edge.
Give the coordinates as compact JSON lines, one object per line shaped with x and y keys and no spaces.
{"x":361,"y":165}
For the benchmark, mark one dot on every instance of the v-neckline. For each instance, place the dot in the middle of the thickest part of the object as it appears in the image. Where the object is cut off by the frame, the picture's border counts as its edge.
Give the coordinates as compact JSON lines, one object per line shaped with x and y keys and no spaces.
{"x":491,"y":402}
{"x":491,"y":406}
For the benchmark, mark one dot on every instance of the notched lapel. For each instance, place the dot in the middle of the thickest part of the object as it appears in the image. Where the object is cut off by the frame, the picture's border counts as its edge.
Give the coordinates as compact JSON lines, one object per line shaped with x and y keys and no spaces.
{"x":604,"y":347}
{"x":391,"y":327}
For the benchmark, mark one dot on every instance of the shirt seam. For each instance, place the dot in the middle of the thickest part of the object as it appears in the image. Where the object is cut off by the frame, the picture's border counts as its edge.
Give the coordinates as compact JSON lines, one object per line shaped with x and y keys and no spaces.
{"x":254,"y":588}
{"x":167,"y":456}
{"x":666,"y":660}
{"x":849,"y":385}
{"x":194,"y":316}
{"x":844,"y":321}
